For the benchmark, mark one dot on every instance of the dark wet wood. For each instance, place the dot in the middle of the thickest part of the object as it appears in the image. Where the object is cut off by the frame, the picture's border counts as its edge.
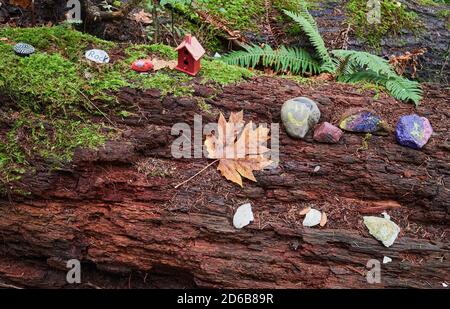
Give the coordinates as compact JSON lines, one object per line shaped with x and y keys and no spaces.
{"x":117,"y":211}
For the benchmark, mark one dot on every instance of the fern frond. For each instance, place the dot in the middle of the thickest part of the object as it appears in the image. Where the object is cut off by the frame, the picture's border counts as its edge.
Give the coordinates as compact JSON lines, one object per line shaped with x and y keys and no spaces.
{"x":352,"y":61}
{"x":296,"y":60}
{"x":400,"y":88}
{"x":404,"y":89}
{"x":367,"y":75}
{"x":249,"y":57}
{"x":313,"y":34}
{"x":305,"y":13}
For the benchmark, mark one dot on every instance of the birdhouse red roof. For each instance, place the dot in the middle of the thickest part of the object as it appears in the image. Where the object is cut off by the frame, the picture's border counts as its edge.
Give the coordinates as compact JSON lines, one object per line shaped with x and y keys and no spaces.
{"x":193,"y":46}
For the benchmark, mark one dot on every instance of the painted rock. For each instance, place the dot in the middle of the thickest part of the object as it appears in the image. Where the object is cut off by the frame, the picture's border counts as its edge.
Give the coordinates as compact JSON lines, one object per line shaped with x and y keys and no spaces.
{"x":382,"y":229}
{"x":243,"y":216}
{"x":24,"y":49}
{"x":312,"y":218}
{"x":413,"y":131}
{"x":142,"y":65}
{"x":363,"y":122}
{"x":299,"y":115}
{"x":327,"y":133}
{"x":97,"y":55}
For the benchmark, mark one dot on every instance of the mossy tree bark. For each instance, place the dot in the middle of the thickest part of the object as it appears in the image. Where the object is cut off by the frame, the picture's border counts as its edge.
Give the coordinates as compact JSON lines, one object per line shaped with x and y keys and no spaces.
{"x":116,"y":209}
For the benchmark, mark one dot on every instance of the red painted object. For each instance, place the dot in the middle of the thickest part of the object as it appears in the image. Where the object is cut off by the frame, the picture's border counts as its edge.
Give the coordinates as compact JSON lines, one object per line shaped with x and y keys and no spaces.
{"x":142,"y":65}
{"x":190,"y":52}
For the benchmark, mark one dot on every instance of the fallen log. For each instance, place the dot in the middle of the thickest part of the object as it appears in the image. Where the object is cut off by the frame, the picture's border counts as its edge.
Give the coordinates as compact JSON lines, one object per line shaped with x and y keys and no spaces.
{"x":117,"y":211}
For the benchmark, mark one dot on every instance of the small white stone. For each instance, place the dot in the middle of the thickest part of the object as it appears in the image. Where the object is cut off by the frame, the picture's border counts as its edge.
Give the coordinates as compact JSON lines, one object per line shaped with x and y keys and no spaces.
{"x":317,"y":168}
{"x":217,"y":55}
{"x":382,"y":229}
{"x":445,"y":285}
{"x":97,"y":55}
{"x":243,"y":216}
{"x":386,"y":260}
{"x":312,"y":218}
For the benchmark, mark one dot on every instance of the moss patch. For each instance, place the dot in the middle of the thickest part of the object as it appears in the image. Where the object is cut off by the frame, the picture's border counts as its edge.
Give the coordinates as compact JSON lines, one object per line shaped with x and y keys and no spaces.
{"x":52,"y":92}
{"x":71,"y":44}
{"x":239,"y":14}
{"x":222,"y":73}
{"x":41,"y":81}
{"x":35,"y":137}
{"x":395,"y":18}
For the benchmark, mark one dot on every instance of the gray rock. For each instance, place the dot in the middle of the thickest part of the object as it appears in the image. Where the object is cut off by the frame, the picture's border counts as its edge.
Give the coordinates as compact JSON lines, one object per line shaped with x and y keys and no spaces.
{"x":243,"y":216}
{"x":312,"y":218}
{"x":299,"y":115}
{"x":382,"y":229}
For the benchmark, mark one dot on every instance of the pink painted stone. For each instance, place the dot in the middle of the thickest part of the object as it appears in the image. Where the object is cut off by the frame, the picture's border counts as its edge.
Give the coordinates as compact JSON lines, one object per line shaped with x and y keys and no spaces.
{"x":327,"y":133}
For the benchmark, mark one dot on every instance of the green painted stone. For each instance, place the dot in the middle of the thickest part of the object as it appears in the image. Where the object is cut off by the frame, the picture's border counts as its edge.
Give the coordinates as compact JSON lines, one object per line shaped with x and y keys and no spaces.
{"x":299,"y":115}
{"x":382,"y":229}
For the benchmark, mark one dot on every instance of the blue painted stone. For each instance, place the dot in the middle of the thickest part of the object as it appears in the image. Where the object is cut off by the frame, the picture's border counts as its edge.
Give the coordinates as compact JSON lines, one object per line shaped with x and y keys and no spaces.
{"x":413,"y":131}
{"x":362,"y":122}
{"x":23,"y":49}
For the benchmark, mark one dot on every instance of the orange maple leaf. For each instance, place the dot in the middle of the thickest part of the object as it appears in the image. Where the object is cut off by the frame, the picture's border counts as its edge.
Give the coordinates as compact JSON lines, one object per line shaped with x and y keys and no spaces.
{"x":240,"y":149}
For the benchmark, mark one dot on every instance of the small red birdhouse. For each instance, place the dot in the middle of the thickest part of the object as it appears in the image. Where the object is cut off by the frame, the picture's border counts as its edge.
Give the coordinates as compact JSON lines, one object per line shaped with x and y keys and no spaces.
{"x":190,"y":52}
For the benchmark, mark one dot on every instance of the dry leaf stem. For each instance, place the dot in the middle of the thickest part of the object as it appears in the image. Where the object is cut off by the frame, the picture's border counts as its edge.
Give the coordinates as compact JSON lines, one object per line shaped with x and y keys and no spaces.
{"x":187,"y":180}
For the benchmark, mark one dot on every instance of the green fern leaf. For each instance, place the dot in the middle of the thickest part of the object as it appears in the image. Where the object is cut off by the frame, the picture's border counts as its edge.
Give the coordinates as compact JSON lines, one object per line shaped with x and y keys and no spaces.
{"x":400,"y":88}
{"x":404,"y":89}
{"x":305,"y":13}
{"x":367,"y":75}
{"x":352,"y":61}
{"x":296,"y":60}
{"x":314,"y":36}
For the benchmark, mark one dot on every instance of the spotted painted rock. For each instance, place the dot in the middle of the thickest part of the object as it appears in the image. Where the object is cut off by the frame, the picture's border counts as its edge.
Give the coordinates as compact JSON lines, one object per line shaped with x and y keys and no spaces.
{"x":24,"y":49}
{"x":413,"y":131}
{"x":142,"y":65}
{"x":362,"y":122}
{"x":299,"y":115}
{"x":327,"y":133}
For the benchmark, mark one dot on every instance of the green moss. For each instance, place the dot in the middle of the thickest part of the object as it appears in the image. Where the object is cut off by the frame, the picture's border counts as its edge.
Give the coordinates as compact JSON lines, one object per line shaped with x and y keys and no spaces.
{"x":34,"y":137}
{"x":239,"y":14}
{"x":367,"y":86}
{"x":394,"y":19}
{"x":365,"y":142}
{"x":163,"y":50}
{"x":139,"y":51}
{"x":70,"y":43}
{"x":40,"y":82}
{"x":428,"y":2}
{"x":53,"y":89}
{"x":174,"y":83}
{"x":223,"y":73}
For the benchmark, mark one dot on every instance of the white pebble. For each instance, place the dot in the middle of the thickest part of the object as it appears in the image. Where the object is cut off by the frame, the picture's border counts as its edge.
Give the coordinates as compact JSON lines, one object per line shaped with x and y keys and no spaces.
{"x":243,"y":216}
{"x":312,"y":218}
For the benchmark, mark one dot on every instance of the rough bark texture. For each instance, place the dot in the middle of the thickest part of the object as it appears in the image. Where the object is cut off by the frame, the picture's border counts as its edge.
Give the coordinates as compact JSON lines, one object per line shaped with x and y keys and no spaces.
{"x":116,"y":210}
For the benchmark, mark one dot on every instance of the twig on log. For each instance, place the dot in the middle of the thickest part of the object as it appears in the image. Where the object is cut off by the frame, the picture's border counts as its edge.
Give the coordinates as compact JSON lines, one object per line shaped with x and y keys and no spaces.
{"x":187,"y":180}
